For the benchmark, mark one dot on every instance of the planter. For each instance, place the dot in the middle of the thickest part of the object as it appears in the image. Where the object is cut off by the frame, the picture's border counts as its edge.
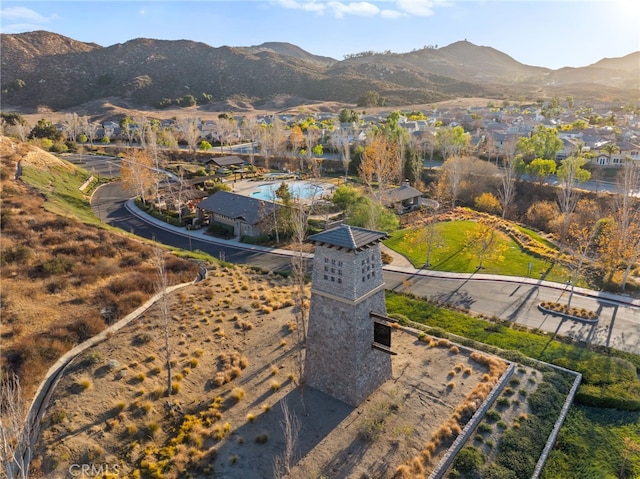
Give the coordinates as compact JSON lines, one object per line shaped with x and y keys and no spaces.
{"x":561,"y":310}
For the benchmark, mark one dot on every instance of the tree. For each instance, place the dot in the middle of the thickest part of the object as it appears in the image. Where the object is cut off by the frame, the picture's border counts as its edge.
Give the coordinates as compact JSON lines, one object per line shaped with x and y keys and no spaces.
{"x":540,"y":170}
{"x":250,"y":129}
{"x":340,"y":141}
{"x":296,"y":140}
{"x":137,"y":173}
{"x":72,"y":124}
{"x":484,"y":243}
{"x":45,"y":129}
{"x":627,"y":216}
{"x":570,"y":173}
{"x":91,"y":130}
{"x":127,"y":126}
{"x":15,"y":429}
{"x":611,"y":148}
{"x":511,"y":170}
{"x":451,"y":141}
{"x":189,"y":100}
{"x":161,"y":287}
{"x":583,"y":237}
{"x":291,"y":428}
{"x":377,"y":164}
{"x":299,"y":219}
{"x":226,"y":129}
{"x":189,"y":127}
{"x":345,"y":197}
{"x":544,"y":143}
{"x":370,"y":98}
{"x":348,"y":116}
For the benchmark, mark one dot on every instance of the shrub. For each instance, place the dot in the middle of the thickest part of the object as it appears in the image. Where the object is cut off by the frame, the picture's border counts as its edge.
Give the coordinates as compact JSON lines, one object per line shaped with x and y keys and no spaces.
{"x":469,"y":460}
{"x":237,"y":394}
{"x":262,"y":438}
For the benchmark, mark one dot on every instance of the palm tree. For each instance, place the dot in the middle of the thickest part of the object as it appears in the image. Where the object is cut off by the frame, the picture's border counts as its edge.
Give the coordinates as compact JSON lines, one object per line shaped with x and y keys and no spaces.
{"x":610,"y":148}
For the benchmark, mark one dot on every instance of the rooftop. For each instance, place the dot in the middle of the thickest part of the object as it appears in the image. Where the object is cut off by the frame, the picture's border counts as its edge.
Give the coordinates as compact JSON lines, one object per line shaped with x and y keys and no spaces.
{"x":345,"y":236}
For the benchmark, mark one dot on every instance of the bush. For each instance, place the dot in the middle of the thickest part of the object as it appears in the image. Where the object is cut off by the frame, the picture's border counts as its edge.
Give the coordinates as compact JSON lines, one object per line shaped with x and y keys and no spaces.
{"x":469,"y":460}
{"x":15,"y":254}
{"x":488,"y":203}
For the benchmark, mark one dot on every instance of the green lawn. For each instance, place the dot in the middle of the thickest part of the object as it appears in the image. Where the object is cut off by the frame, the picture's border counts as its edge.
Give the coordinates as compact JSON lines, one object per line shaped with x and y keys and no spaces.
{"x":61,"y":187}
{"x":449,"y":253}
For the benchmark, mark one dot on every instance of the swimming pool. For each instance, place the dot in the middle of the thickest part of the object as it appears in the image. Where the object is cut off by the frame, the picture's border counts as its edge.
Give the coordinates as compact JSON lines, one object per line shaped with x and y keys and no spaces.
{"x":298,"y":189}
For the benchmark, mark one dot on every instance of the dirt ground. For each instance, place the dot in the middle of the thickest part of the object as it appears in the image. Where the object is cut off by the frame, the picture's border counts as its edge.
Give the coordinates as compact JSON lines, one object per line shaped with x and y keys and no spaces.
{"x":235,"y":371}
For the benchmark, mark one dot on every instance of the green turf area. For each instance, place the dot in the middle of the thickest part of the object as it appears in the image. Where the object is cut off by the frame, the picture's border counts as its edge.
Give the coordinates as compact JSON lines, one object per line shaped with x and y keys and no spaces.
{"x":450,"y":252}
{"x":61,"y":187}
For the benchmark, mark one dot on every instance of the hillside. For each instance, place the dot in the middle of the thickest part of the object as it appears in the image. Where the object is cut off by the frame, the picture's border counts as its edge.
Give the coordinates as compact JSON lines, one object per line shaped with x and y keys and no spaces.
{"x":62,"y":280}
{"x":46,"y":70}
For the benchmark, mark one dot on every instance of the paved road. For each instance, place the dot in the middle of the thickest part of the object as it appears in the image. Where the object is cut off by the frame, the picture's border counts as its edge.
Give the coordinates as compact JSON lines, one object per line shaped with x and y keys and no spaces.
{"x":513,"y":299}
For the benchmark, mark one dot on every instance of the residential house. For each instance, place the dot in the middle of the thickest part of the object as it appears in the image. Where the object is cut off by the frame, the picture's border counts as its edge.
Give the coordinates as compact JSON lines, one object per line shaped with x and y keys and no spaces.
{"x":625,"y":150}
{"x":247,"y":215}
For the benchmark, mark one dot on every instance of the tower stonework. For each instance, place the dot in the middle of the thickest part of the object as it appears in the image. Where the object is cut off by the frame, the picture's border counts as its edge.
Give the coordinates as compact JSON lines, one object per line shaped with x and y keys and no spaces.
{"x":346,"y":287}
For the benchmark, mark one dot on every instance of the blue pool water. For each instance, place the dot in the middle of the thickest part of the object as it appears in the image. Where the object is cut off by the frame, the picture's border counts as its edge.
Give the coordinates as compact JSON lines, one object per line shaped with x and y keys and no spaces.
{"x":298,"y":189}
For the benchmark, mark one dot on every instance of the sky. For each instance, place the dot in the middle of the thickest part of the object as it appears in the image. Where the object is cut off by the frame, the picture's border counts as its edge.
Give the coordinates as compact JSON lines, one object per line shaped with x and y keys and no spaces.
{"x":546,"y":33}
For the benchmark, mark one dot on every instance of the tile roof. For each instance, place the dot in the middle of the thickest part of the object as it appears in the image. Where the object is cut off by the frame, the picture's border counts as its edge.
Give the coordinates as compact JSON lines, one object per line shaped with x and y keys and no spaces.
{"x":233,"y":205}
{"x":346,"y":236}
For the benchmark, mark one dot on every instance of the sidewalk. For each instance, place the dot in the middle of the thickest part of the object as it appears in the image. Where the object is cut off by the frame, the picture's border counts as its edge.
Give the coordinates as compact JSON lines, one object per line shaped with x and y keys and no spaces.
{"x":399,"y":263}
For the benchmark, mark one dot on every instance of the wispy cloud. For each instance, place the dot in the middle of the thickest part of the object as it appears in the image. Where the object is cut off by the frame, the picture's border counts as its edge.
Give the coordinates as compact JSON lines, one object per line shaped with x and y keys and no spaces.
{"x":21,"y":19}
{"x":391,"y":8}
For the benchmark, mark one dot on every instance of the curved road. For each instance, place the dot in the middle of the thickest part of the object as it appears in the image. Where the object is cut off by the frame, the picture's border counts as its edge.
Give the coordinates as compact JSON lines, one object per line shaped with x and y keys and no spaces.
{"x":513,"y":299}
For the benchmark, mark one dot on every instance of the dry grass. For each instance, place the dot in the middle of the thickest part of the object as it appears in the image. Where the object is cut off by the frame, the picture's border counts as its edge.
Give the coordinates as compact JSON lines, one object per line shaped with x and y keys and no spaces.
{"x":64,"y":281}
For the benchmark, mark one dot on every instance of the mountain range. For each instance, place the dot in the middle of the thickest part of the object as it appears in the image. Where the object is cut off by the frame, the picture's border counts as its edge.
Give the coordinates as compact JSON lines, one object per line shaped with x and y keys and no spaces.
{"x":43,"y":69}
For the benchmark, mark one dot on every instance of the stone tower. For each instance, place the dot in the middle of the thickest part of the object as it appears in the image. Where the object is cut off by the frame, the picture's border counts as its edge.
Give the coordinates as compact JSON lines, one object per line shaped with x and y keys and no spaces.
{"x":342,"y":358}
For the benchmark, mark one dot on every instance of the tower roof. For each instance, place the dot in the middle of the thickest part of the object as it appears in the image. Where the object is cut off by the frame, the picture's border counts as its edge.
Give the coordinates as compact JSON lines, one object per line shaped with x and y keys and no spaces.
{"x":345,"y":236}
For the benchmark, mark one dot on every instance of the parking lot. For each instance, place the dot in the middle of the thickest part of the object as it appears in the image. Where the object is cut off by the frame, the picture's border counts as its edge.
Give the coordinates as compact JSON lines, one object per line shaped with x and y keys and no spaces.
{"x":99,"y":165}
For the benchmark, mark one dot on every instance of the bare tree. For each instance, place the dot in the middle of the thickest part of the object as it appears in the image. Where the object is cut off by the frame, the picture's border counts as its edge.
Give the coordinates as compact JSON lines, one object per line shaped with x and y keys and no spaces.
{"x":291,"y":428}
{"x":340,"y":141}
{"x":161,"y":286}
{"x":91,"y":130}
{"x":569,"y":174}
{"x":299,"y":224}
{"x":250,"y":129}
{"x":142,"y":125}
{"x":628,"y":216}
{"x":226,"y":129}
{"x":15,"y":430}
{"x":21,"y":129}
{"x":73,"y":125}
{"x":507,"y":186}
{"x":190,"y":132}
